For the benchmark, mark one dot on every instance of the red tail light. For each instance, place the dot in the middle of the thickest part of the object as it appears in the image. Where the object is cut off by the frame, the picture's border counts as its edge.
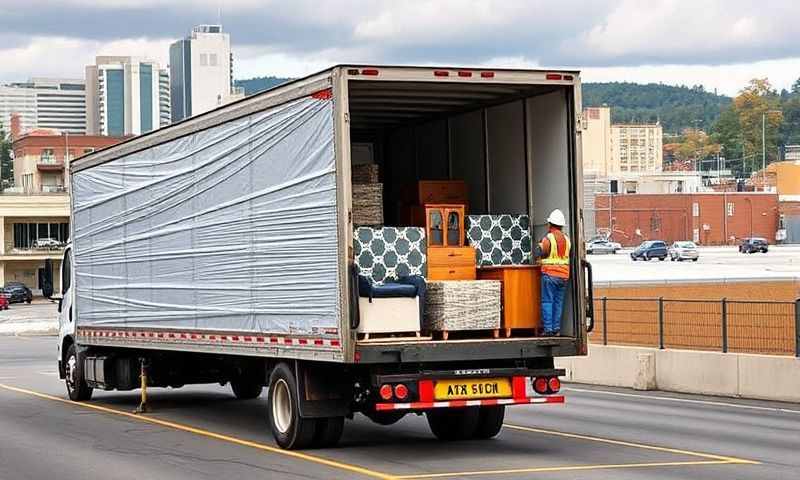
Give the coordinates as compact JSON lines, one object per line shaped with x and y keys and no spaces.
{"x":401,"y":391}
{"x":386,"y":392}
{"x":553,"y":76}
{"x":370,"y":71}
{"x":555,"y":384}
{"x":441,"y":73}
{"x":487,"y":74}
{"x":540,"y":385}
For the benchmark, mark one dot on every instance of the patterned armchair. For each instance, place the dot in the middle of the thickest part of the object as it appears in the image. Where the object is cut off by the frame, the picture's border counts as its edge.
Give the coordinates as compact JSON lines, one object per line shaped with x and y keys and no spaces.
{"x":391,"y":263}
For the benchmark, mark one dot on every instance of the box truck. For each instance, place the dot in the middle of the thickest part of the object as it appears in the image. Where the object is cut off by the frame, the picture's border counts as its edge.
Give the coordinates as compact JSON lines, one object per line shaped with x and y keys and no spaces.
{"x":221,"y":249}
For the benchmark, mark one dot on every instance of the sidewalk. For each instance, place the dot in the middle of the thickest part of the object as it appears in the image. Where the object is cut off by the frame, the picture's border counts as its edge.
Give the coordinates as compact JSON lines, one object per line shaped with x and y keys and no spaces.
{"x":40,"y":317}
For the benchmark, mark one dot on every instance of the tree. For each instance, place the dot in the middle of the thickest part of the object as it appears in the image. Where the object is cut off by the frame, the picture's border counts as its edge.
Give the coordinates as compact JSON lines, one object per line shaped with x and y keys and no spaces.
{"x":756,"y":101}
{"x":6,"y":163}
{"x":727,"y":132}
{"x":694,"y":147}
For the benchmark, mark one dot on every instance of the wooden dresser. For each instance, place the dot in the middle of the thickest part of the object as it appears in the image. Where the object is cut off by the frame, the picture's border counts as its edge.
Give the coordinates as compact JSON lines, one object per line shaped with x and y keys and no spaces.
{"x":451,"y":263}
{"x":521,"y":294}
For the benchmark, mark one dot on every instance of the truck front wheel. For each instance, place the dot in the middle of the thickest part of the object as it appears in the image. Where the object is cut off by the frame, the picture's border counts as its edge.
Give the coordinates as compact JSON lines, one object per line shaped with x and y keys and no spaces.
{"x":290,"y":430}
{"x":77,"y":389}
{"x":453,"y":423}
{"x":246,"y":390}
{"x":490,"y":421}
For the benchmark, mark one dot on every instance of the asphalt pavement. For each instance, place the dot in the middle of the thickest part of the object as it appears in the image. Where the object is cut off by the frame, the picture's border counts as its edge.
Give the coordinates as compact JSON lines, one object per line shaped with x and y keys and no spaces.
{"x":202,"y":432}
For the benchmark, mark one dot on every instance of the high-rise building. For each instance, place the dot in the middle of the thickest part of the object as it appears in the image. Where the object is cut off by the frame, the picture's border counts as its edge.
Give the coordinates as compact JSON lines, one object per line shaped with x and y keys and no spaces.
{"x":637,"y":147}
{"x":201,"y":72}
{"x":45,"y":103}
{"x":596,"y":141}
{"x":126,"y":96}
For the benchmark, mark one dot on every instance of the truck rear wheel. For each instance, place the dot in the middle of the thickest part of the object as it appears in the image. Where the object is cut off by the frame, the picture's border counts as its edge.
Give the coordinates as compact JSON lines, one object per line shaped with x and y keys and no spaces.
{"x":453,"y":423}
{"x":77,"y":389}
{"x":328,"y":432}
{"x":290,"y":430}
{"x":246,"y":389}
{"x":490,"y":421}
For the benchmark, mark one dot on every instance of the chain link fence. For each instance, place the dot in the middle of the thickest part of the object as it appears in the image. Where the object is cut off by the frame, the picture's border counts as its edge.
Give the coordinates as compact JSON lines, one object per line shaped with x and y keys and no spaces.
{"x":761,"y":327}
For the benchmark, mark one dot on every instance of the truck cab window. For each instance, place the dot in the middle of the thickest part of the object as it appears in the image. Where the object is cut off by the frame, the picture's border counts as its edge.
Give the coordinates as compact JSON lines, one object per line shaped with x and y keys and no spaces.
{"x":66,"y":271}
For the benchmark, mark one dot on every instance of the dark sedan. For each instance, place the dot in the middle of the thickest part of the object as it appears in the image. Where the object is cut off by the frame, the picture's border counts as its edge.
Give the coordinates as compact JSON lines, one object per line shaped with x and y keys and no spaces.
{"x":17,"y":293}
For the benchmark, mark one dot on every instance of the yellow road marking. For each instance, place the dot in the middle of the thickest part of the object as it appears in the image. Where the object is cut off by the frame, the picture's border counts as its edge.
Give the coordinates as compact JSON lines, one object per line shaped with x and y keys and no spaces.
{"x":218,"y":436}
{"x":568,"y":468}
{"x":634,"y":445}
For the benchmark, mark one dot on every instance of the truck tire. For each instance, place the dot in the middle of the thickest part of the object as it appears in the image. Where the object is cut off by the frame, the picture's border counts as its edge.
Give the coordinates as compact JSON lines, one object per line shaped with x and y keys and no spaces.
{"x":490,"y":421}
{"x":290,"y":430}
{"x":450,"y":424}
{"x":77,"y":389}
{"x":246,"y":389}
{"x":385,"y":418}
{"x":329,"y":431}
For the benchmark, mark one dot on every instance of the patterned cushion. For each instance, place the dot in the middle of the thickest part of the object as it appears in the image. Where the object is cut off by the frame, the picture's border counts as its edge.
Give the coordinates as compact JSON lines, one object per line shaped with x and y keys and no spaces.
{"x":500,"y":239}
{"x":390,"y":252}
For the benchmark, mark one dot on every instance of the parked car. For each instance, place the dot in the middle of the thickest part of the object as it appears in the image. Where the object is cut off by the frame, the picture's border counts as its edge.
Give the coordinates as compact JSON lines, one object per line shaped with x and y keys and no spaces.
{"x":681,"y":251}
{"x":17,"y":292}
{"x":3,"y":302}
{"x":650,"y":249}
{"x":753,"y":245}
{"x":602,"y":246}
{"x":47,"y":243}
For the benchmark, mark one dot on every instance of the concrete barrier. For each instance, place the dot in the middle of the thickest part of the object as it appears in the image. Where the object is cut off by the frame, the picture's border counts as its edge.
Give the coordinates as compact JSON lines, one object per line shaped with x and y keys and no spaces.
{"x":726,"y":374}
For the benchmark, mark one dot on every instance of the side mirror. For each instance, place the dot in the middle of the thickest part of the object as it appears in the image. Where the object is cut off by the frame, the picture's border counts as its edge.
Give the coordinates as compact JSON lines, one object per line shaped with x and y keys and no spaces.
{"x":60,"y":303}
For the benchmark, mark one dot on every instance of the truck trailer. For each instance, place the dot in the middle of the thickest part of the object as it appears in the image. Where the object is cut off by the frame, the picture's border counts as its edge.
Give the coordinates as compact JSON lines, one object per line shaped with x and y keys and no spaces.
{"x":225,"y":249}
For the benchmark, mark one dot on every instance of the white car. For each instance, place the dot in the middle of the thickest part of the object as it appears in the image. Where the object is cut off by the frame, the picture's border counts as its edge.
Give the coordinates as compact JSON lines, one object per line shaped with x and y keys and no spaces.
{"x":681,"y":251}
{"x":602,"y":246}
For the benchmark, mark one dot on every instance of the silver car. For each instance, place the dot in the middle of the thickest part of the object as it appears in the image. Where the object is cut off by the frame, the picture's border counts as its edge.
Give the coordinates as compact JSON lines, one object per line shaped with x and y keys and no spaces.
{"x":681,"y":251}
{"x":601,"y":247}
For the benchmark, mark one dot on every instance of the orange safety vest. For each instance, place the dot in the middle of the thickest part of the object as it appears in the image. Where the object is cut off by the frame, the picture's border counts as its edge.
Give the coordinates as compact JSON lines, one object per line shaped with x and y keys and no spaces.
{"x":556,"y":264}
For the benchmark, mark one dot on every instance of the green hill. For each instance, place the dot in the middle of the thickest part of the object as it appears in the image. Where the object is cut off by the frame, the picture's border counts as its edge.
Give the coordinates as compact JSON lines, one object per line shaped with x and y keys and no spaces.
{"x":676,"y":107}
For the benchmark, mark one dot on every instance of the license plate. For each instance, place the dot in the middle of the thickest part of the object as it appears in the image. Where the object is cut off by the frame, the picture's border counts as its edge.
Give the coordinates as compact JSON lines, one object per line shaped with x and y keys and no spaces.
{"x":472,"y":388}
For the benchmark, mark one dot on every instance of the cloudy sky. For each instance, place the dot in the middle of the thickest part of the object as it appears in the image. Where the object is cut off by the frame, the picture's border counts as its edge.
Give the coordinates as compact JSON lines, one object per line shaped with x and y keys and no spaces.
{"x":717,"y":43}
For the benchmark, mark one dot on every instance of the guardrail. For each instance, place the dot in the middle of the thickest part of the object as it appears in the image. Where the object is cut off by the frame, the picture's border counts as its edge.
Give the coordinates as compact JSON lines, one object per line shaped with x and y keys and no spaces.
{"x":762,"y":327}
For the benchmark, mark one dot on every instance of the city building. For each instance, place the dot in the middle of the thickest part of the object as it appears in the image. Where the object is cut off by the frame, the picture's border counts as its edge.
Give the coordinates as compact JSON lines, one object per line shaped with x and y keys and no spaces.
{"x":596,"y":141}
{"x":45,"y":103}
{"x":34,"y":215}
{"x":126,"y":96}
{"x":791,"y":152}
{"x":201,"y":72}
{"x":636,"y":148}
{"x":705,"y":218}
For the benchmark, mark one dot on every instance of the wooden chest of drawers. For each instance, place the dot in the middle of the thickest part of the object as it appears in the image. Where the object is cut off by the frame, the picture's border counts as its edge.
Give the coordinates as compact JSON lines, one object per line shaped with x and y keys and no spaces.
{"x":451,"y":263}
{"x":521,"y":293}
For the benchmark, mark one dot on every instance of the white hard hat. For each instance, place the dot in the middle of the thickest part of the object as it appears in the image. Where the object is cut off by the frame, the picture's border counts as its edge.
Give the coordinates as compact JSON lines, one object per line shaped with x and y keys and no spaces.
{"x":557,"y":218}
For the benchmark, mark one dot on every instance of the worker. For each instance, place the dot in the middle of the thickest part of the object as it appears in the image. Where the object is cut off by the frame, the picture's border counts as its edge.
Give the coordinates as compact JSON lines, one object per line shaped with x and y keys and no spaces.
{"x":554,"y":254}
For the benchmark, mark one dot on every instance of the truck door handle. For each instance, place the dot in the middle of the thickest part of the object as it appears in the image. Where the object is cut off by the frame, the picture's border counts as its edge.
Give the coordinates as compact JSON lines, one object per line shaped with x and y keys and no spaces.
{"x":590,"y":297}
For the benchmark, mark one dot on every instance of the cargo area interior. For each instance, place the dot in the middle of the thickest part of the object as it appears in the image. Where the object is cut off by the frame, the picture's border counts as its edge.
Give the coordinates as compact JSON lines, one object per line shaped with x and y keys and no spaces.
{"x":475,"y":168}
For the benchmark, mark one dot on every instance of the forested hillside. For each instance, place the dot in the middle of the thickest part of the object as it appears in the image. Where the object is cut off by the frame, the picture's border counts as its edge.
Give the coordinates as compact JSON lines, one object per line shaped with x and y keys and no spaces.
{"x":676,"y":108}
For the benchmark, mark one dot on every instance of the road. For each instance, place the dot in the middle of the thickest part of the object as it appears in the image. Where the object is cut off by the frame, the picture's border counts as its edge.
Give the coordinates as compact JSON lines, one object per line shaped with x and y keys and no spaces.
{"x":714,"y":263}
{"x":201,"y":432}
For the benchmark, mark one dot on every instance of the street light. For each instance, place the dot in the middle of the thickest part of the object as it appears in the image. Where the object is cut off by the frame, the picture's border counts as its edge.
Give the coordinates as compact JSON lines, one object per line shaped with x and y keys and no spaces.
{"x":764,"y":147}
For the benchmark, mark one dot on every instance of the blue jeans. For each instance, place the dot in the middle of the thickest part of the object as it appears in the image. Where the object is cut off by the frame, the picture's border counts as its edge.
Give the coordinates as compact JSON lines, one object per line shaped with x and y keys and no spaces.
{"x":553,"y":289}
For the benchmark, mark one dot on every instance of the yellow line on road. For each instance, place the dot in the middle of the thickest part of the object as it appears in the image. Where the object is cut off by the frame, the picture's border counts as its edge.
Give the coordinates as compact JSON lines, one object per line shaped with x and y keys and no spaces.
{"x":217,"y":436}
{"x":634,"y":445}
{"x":568,"y":468}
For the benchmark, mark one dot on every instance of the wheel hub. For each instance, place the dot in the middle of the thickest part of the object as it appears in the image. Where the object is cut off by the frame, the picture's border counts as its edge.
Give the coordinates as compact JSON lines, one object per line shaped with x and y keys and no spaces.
{"x":281,"y":406}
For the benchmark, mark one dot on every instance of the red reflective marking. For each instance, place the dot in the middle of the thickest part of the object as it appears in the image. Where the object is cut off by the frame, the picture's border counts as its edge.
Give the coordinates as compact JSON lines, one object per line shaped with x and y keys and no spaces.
{"x":384,"y":406}
{"x":441,"y":73}
{"x":335,"y":343}
{"x":273,"y":340}
{"x":567,"y":77}
{"x":518,"y":387}
{"x":369,"y":71}
{"x":553,"y":76}
{"x":458,"y":403}
{"x":464,"y":74}
{"x":318,"y":342}
{"x":194,"y":337}
{"x":356,"y":356}
{"x":302,"y":341}
{"x":235,"y":338}
{"x":287,"y":341}
{"x":425,"y":390}
{"x":487,"y":74}
{"x":326,"y":94}
{"x":260,"y":339}
{"x":491,"y":401}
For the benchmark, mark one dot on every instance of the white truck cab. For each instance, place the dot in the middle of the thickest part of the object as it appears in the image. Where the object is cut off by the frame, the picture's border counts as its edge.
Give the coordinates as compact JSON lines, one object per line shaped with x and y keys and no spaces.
{"x":66,"y":318}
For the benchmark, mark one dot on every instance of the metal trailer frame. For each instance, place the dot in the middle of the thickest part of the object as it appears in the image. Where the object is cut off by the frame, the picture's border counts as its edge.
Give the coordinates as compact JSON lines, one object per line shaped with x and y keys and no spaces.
{"x":341,"y":346}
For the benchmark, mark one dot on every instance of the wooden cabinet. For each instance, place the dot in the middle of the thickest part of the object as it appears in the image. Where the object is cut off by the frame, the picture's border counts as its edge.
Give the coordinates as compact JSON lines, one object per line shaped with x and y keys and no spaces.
{"x":521,"y":294}
{"x":444,"y":225}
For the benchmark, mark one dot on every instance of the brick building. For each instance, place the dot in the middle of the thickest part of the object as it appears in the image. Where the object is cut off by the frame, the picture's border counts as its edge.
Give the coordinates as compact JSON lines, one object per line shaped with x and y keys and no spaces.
{"x":706,"y":218}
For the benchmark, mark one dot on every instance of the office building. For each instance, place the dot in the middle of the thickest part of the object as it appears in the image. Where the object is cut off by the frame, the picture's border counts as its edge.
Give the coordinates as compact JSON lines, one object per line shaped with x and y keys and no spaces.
{"x":45,"y":103}
{"x":126,"y":96}
{"x":201,"y":72}
{"x":637,"y":148}
{"x":596,"y":141}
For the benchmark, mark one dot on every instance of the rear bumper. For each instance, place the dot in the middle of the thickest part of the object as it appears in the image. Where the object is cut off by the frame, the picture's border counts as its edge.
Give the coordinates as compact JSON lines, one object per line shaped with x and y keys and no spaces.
{"x":468,"y":403}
